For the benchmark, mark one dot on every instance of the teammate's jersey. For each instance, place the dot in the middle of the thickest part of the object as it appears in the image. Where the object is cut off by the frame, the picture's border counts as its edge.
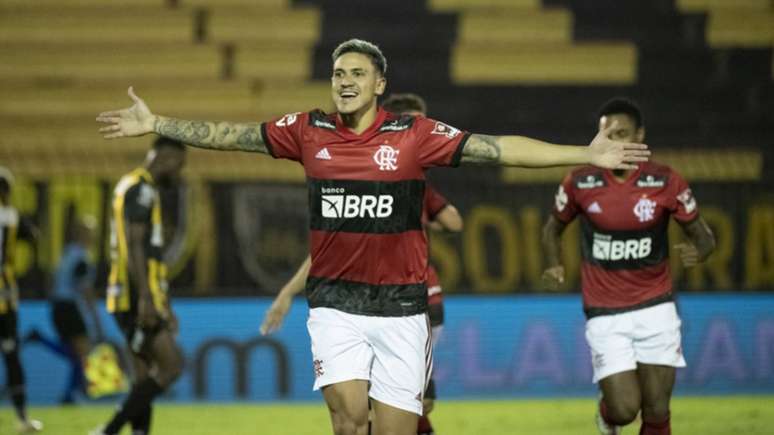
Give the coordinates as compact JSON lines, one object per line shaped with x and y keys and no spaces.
{"x":136,"y":200}
{"x":9,"y":292}
{"x":368,"y":248}
{"x":624,"y":233}
{"x":433,"y":204}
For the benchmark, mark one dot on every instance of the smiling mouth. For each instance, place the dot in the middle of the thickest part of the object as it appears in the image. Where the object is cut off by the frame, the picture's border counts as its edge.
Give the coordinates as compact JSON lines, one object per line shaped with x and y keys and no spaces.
{"x":347,"y":95}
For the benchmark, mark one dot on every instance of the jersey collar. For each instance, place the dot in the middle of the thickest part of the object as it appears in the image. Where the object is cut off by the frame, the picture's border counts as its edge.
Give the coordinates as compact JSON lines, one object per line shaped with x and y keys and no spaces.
{"x":381,"y":116}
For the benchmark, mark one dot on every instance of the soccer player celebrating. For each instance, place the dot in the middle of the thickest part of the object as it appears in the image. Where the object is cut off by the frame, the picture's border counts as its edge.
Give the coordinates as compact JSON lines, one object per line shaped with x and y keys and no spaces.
{"x":365,"y":173}
{"x":633,"y":328}
{"x":9,"y":304}
{"x":437,"y":214}
{"x":137,"y":287}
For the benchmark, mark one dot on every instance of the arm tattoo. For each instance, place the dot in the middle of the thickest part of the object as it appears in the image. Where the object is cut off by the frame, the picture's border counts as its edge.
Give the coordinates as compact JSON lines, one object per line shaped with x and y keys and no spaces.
{"x":481,"y":148}
{"x":213,"y":135}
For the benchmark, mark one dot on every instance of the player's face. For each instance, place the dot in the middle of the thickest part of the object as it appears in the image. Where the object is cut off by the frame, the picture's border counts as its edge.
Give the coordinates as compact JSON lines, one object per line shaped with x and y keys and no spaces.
{"x":171,"y":162}
{"x":355,"y":83}
{"x":625,"y":131}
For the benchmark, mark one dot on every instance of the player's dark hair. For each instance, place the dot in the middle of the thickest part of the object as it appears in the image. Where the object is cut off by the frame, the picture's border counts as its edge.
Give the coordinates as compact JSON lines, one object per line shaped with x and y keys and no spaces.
{"x":162,"y":142}
{"x":363,"y":47}
{"x":5,"y":186}
{"x":401,"y":103}
{"x":622,"y":105}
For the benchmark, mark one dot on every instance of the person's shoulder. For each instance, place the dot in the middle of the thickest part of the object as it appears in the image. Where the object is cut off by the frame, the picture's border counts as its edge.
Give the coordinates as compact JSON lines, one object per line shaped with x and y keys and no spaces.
{"x":319,"y":119}
{"x":655,"y":174}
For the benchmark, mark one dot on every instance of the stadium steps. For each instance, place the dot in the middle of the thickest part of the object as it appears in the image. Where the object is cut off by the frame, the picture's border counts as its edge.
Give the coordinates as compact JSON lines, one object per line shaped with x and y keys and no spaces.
{"x":119,"y":62}
{"x":501,"y":43}
{"x":104,"y":24}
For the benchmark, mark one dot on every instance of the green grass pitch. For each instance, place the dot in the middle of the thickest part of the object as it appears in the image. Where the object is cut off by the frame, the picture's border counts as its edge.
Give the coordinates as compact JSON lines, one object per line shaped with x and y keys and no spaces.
{"x":748,"y":415}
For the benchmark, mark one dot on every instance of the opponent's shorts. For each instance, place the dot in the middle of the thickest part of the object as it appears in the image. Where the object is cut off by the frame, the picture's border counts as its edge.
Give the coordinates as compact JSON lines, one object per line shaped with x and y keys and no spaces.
{"x":68,"y":321}
{"x":137,"y":338}
{"x":393,"y":353}
{"x":648,"y":336}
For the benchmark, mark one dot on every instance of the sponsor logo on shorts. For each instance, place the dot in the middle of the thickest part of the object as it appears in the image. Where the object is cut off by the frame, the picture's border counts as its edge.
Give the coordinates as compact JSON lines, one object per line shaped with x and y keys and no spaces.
{"x":318,"y":368}
{"x":605,"y":248}
{"x":598,"y":361}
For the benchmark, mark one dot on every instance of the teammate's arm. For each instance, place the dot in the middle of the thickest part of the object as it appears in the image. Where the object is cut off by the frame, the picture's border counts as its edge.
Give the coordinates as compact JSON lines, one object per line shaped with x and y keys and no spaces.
{"x":532,"y":153}
{"x":138,"y":120}
{"x":448,"y":219}
{"x":138,"y":271}
{"x":279,"y":308}
{"x":553,"y":275}
{"x":701,"y":242}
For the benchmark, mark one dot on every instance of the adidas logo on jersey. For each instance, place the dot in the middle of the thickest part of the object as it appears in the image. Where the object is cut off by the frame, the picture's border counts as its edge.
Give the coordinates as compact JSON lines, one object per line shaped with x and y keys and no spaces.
{"x":323,"y":154}
{"x":594,"y":208}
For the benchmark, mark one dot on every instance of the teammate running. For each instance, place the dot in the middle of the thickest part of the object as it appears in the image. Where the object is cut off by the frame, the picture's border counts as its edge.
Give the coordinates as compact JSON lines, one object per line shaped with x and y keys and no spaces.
{"x":632,"y":327}
{"x":365,"y":174}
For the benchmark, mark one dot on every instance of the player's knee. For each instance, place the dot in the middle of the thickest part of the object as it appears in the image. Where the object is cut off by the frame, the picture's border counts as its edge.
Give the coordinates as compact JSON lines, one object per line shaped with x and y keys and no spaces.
{"x":345,"y":423}
{"x":622,"y":412}
{"x":349,"y":420}
{"x":656,"y":411}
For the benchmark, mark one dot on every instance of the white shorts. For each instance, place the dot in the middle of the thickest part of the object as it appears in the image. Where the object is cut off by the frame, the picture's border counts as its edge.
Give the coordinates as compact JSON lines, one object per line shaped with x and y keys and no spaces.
{"x":393,"y":353}
{"x":649,"y":336}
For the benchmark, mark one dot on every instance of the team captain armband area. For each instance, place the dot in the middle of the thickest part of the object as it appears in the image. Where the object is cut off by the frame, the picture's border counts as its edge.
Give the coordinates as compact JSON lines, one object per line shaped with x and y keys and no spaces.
{"x":376,"y":207}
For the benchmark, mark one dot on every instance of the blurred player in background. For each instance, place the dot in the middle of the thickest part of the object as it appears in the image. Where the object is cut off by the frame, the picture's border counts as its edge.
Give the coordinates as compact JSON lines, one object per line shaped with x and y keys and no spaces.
{"x":365,"y":172}
{"x":73,"y":307}
{"x":632,"y":327}
{"x":137,"y":292}
{"x":437,"y":214}
{"x":9,"y":305}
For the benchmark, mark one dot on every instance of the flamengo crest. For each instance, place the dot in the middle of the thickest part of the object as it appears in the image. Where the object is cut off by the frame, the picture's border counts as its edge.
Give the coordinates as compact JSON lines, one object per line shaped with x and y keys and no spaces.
{"x":645,"y":209}
{"x":387,"y":158}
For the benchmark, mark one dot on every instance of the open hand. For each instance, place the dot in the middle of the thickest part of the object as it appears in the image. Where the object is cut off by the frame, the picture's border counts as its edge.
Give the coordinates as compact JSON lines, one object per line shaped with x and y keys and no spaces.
{"x":689,"y":255}
{"x":610,"y":154}
{"x":132,"y":121}
{"x":275,"y":315}
{"x":553,"y":278}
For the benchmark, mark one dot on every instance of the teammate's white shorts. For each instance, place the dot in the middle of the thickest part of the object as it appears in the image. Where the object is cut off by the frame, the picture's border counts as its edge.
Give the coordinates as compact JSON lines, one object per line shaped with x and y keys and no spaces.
{"x":393,"y":353}
{"x":649,"y":336}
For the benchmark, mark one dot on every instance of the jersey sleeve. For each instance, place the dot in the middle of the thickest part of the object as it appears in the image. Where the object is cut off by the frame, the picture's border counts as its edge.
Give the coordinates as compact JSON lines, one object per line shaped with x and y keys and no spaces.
{"x":683,"y":203}
{"x":284,"y":136}
{"x":138,"y":202}
{"x":434,"y":202}
{"x":565,"y":208}
{"x":439,"y":144}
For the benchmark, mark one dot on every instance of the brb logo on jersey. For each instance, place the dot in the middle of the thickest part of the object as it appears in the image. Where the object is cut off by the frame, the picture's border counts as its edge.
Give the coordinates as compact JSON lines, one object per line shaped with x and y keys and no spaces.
{"x":387,"y":158}
{"x":645,"y":209}
{"x":607,"y":249}
{"x":354,"y":206}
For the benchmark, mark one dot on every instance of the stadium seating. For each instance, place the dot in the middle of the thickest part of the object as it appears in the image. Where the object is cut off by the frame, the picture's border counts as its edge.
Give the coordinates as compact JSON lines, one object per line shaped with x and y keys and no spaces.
{"x":702,"y":69}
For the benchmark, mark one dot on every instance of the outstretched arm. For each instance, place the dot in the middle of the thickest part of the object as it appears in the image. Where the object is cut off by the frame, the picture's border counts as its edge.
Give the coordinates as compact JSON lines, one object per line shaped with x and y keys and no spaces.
{"x":138,"y":120}
{"x":532,"y":153}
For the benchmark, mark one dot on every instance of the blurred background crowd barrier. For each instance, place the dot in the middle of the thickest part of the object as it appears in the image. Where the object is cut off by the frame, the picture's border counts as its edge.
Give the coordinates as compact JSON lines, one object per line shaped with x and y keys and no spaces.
{"x":702,"y":71}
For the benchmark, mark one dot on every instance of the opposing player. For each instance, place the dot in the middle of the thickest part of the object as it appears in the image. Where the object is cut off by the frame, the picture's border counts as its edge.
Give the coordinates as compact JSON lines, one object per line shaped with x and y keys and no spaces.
{"x":137,"y":288}
{"x":9,"y":304}
{"x":365,"y":173}
{"x":632,"y":327}
{"x":437,"y":214}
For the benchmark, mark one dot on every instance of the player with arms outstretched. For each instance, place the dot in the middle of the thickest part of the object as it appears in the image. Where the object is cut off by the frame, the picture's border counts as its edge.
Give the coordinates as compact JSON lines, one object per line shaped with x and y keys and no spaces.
{"x":365,"y":173}
{"x":632,"y":327}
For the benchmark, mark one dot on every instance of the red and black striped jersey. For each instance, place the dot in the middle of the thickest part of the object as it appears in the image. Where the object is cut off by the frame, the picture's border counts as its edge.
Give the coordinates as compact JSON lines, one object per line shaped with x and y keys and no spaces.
{"x":366,"y":191}
{"x":624,"y":233}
